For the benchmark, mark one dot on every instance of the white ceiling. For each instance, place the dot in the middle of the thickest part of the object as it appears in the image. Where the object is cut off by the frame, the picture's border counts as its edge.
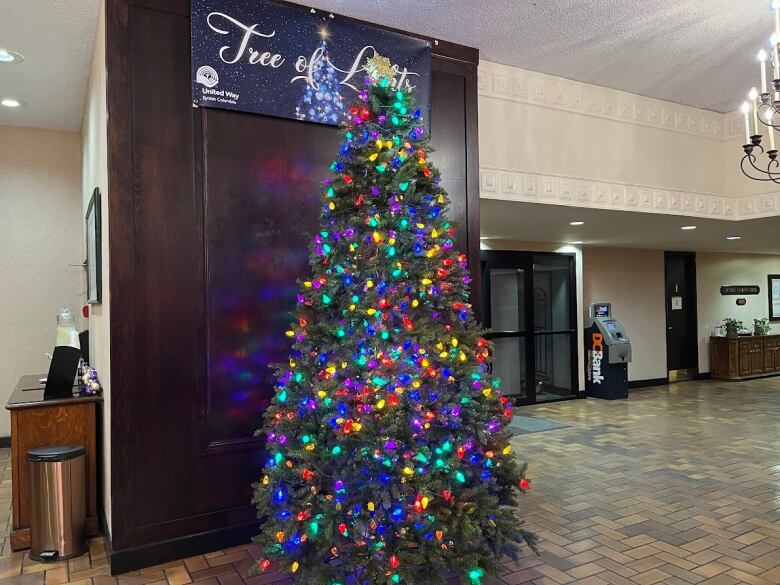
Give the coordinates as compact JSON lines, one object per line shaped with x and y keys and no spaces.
{"x":694,"y":52}
{"x":539,"y":222}
{"x":56,"y":39}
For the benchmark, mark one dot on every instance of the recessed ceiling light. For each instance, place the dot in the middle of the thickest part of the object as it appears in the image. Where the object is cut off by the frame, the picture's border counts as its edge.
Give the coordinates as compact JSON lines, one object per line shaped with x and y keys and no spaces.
{"x":576,"y":223}
{"x":11,"y":103}
{"x":688,"y":227}
{"x":733,"y":237}
{"x":576,"y":243}
{"x":8,"y":56}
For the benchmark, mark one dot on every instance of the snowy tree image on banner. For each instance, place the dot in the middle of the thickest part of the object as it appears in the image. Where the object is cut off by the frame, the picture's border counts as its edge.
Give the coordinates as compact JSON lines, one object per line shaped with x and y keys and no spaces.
{"x":321,"y":100}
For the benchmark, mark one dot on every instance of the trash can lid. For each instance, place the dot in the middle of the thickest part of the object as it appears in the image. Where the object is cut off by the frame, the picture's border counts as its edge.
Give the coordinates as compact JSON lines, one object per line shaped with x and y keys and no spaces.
{"x":55,"y":453}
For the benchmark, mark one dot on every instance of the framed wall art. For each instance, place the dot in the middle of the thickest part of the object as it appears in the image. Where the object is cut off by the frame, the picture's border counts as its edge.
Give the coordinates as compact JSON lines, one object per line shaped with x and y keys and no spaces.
{"x":774,"y":297}
{"x":94,"y":253}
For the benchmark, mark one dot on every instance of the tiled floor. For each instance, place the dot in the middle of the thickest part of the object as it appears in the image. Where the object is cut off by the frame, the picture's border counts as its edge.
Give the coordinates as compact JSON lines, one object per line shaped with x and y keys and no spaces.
{"x":676,"y":485}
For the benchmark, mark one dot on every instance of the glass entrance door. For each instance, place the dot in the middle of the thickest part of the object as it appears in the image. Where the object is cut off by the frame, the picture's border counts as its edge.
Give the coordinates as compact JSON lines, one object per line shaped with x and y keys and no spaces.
{"x":530,"y":309}
{"x":507,"y":314}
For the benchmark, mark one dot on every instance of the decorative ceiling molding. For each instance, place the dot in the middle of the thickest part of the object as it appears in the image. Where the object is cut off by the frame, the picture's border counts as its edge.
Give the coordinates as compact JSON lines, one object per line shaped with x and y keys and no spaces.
{"x":511,"y":185}
{"x":756,"y":206}
{"x":538,"y":89}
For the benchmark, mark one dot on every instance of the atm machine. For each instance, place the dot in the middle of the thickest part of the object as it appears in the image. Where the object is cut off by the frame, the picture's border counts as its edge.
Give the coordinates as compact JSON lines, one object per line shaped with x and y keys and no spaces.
{"x":607,"y":354}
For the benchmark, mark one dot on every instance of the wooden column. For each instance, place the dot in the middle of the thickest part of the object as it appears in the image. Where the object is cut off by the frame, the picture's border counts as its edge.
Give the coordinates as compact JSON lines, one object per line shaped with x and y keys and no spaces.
{"x":210,"y":214}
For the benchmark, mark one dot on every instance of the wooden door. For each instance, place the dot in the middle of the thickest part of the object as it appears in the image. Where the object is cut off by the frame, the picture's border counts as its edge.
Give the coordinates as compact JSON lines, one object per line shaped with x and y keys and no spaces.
{"x":776,"y":353}
{"x":682,"y":351}
{"x":745,"y":363}
{"x":733,"y":357}
{"x":770,"y":345}
{"x":757,"y":356}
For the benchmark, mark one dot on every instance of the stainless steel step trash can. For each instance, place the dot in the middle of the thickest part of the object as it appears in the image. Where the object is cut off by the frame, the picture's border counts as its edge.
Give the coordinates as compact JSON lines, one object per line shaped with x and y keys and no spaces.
{"x":58,"y":506}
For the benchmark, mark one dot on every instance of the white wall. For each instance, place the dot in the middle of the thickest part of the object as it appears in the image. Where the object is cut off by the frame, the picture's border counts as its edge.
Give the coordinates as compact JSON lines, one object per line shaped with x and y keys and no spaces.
{"x":714,"y":270}
{"x":553,"y":140}
{"x":94,"y":146}
{"x":545,"y":139}
{"x":94,"y":151}
{"x":40,"y":236}
{"x":633,"y":281}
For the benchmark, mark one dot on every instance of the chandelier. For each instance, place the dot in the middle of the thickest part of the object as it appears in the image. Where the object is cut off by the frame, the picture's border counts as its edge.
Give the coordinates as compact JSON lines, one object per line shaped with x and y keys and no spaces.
{"x":763,"y":108}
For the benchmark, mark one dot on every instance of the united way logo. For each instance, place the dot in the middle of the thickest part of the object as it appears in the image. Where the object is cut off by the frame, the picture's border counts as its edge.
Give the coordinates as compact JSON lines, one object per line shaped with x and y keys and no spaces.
{"x":207,"y":76}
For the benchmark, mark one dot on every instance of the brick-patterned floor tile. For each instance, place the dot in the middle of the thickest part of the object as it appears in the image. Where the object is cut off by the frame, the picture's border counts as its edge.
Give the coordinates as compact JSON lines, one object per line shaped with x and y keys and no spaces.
{"x":676,"y":486}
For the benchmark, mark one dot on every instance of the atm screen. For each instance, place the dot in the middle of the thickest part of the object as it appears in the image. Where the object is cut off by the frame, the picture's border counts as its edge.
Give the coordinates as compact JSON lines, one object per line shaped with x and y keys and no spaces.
{"x":601,"y":311}
{"x":611,"y":326}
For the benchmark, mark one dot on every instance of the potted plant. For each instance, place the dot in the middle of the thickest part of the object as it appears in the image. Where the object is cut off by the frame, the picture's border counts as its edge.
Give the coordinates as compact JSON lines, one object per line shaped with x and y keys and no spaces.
{"x":761,"y":326}
{"x":733,"y":327}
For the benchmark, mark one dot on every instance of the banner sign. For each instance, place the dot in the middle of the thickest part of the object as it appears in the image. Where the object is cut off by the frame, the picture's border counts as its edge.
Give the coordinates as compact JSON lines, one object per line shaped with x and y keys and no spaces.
{"x":284,"y":60}
{"x":740,"y":290}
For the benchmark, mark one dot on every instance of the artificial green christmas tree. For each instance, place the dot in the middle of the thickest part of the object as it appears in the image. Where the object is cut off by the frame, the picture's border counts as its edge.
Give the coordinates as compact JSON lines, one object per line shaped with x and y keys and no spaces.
{"x":387,"y":456}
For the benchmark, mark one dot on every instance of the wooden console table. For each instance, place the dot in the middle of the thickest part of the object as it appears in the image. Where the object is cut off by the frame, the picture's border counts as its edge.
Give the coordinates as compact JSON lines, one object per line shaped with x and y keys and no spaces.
{"x":742,"y":358}
{"x":36,"y":422}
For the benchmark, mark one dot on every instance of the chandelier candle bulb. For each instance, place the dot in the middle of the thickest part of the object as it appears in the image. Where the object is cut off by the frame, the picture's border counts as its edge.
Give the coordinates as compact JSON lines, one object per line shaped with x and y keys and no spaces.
{"x":776,"y":8}
{"x":762,"y":62}
{"x":753,"y":95}
{"x":765,"y":106}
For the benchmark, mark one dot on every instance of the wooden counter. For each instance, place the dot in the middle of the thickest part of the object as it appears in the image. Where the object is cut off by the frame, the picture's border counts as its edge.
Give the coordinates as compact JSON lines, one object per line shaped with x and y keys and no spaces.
{"x":37,"y":422}
{"x":742,"y":358}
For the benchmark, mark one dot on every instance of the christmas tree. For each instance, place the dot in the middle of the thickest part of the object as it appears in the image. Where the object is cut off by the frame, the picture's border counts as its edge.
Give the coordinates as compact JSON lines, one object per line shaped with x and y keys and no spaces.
{"x":388,"y":461}
{"x":321,"y":100}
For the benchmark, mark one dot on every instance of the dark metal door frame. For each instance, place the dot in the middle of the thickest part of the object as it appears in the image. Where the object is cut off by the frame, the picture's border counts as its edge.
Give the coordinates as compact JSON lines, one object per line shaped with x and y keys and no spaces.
{"x":501,"y":259}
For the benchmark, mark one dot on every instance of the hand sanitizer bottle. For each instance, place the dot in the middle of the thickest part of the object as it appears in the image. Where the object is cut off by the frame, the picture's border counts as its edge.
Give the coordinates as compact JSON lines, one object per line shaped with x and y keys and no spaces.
{"x":66,"y":329}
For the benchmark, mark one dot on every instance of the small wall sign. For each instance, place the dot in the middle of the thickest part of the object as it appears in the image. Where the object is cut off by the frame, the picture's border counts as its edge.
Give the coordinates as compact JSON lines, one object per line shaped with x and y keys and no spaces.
{"x":741,"y":302}
{"x":750,"y":289}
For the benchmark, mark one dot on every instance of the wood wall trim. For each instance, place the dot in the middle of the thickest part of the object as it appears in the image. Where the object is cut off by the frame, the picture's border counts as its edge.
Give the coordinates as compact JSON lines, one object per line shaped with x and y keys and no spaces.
{"x":121,"y":219}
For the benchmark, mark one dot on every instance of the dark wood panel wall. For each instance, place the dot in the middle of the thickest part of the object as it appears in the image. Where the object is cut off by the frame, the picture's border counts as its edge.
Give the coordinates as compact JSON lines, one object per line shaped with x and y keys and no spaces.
{"x":210,"y":214}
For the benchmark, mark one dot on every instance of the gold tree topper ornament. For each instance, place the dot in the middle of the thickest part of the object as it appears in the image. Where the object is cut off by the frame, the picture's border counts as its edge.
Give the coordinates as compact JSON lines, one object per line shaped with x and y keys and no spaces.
{"x":379,"y":67}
